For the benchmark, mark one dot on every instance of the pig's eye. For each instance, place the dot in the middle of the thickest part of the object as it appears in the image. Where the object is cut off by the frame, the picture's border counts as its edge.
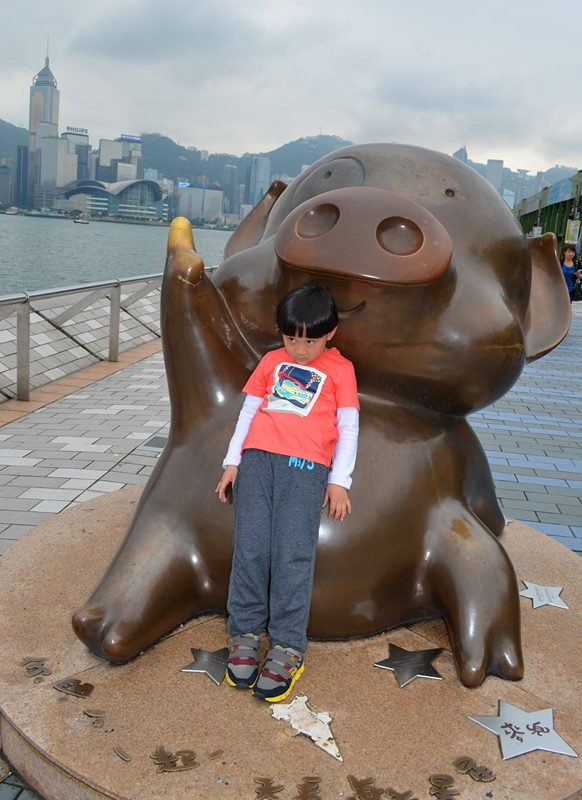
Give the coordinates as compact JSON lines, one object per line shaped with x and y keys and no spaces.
{"x":399,"y":236}
{"x":450,"y":192}
{"x":335,"y":174}
{"x":318,"y":220}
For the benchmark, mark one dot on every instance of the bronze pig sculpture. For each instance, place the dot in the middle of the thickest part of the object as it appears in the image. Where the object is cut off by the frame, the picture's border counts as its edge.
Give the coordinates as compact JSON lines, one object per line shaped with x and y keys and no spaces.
{"x":442,"y":301}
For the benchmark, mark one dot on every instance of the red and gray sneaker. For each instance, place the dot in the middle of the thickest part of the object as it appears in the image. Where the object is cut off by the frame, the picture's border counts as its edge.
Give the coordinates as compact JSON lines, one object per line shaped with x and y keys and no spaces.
{"x":279,"y":673}
{"x":242,"y":667}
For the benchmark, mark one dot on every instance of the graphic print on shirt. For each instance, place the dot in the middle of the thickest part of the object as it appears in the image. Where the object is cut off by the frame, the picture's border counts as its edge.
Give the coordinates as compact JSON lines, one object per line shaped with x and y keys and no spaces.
{"x":295,"y":389}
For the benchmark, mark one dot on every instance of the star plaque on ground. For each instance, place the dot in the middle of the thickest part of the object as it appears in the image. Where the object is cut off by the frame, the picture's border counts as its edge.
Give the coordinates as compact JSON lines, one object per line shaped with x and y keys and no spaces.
{"x":522,"y":732}
{"x":543,"y":595}
{"x":212,"y":663}
{"x":408,"y":665}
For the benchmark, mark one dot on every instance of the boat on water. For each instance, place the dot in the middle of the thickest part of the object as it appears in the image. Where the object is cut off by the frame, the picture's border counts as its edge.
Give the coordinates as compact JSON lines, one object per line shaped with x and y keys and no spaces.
{"x":81,"y":221}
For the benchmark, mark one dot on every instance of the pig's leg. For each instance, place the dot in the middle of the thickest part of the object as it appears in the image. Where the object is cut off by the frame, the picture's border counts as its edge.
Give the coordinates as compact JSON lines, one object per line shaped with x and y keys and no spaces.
{"x":175,"y":559}
{"x":477,"y":485}
{"x":473,"y":584}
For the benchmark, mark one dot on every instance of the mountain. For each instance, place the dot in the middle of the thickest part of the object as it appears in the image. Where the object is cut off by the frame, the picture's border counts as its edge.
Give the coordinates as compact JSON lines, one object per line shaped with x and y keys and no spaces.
{"x":181,"y":163}
{"x":558,"y":173}
{"x":289,"y":158}
{"x":171,"y":159}
{"x":177,"y":162}
{"x":10,"y":137}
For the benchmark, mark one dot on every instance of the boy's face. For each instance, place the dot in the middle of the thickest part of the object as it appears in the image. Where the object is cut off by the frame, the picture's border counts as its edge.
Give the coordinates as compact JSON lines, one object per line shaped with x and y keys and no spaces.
{"x":304,"y":350}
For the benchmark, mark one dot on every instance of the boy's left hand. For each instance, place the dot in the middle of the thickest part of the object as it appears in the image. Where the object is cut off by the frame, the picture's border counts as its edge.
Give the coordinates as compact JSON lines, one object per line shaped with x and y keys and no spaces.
{"x":339,"y":502}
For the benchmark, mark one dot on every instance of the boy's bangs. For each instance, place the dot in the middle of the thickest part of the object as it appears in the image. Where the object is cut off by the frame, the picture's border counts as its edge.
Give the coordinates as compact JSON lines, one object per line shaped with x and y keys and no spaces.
{"x":310,"y":310}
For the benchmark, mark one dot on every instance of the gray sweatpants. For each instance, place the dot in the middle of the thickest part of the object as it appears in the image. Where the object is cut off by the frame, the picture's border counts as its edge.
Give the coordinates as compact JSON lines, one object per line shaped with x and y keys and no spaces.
{"x":277,"y":503}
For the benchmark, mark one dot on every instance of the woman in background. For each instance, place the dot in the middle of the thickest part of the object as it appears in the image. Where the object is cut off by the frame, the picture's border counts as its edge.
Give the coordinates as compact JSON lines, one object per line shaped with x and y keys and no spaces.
{"x":570,"y":268}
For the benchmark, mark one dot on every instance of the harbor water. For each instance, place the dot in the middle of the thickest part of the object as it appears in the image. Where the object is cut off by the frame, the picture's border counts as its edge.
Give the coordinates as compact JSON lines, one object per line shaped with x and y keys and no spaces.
{"x":47,"y":253}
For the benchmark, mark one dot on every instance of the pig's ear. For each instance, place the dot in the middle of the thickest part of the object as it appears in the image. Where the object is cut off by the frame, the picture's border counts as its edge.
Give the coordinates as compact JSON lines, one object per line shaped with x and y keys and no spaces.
{"x":249,"y":232}
{"x":550,"y":312}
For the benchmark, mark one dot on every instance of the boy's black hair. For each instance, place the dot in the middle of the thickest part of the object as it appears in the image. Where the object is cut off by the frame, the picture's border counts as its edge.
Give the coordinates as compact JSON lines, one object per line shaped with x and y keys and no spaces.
{"x":310,"y":307}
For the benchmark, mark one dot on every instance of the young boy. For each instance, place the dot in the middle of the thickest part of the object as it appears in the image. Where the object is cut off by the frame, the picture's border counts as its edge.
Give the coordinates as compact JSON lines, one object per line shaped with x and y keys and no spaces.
{"x":300,"y":415}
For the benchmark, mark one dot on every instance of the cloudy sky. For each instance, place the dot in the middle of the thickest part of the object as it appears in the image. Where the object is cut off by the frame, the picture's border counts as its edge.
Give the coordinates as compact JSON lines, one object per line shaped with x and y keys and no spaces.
{"x":500,"y":77}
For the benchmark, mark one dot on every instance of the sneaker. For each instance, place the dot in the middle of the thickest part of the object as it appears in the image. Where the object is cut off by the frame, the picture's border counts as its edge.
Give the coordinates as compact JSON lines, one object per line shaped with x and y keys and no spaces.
{"x":279,"y":673}
{"x":242,"y":667}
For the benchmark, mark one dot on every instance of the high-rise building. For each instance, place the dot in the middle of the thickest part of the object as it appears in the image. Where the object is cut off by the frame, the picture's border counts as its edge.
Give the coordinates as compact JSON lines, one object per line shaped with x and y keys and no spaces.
{"x":78,"y":145}
{"x":5,"y":193}
{"x":505,"y":180}
{"x":21,"y":182}
{"x":213,"y":205}
{"x":110,"y":153}
{"x":461,"y":154}
{"x":58,"y":166}
{"x":191,"y":201}
{"x":53,"y":161}
{"x":44,"y":107}
{"x":229,"y":179}
{"x":259,"y":178}
{"x":494,"y":172}
{"x":93,"y":165}
{"x":120,"y":159}
{"x":132,"y":153}
{"x":198,"y":203}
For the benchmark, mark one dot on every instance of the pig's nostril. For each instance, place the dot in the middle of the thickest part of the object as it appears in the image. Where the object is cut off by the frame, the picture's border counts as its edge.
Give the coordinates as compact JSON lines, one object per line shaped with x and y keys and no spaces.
{"x":399,"y":236}
{"x":317,"y":221}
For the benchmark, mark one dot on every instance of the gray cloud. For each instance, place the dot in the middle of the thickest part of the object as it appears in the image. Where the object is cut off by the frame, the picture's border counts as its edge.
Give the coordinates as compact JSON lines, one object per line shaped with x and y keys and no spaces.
{"x":154,"y":34}
{"x":236,"y":77}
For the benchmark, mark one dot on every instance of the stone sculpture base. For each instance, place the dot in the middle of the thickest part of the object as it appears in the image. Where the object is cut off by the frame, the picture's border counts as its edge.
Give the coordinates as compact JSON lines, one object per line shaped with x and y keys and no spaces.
{"x":399,"y":737}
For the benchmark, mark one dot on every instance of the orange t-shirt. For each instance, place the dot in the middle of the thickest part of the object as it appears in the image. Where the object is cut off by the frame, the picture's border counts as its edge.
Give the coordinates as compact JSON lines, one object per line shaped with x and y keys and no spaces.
{"x":299,"y":414}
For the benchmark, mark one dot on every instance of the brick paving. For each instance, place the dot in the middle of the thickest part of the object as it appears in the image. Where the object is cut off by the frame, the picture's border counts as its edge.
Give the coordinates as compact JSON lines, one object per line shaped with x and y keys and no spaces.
{"x":65,"y":337}
{"x":15,"y":788}
{"x":86,"y":436}
{"x":80,"y":446}
{"x":533,"y":439}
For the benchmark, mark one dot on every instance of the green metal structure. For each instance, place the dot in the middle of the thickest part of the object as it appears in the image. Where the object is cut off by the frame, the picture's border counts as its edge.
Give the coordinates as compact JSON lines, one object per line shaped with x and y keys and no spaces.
{"x":550,"y":210}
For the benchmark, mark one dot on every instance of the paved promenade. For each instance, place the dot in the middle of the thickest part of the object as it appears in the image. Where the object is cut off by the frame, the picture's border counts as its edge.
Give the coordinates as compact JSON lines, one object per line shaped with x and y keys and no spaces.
{"x":90,"y":434}
{"x":94,"y":440}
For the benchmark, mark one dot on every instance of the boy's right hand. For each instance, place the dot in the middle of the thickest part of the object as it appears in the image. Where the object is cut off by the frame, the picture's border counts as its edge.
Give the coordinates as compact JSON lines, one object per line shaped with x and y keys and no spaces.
{"x":228,"y":479}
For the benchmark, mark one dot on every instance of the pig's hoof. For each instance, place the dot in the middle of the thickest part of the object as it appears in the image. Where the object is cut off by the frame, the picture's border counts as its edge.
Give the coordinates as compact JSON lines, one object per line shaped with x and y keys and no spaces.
{"x":502,"y":657}
{"x":137,"y":603}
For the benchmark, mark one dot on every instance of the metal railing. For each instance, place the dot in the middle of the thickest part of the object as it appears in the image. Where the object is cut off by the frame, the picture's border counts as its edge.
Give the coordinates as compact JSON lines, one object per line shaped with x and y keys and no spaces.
{"x":21,"y":305}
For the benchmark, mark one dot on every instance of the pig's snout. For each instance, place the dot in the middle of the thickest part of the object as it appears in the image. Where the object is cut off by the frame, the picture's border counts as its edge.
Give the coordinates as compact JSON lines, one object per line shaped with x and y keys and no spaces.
{"x":365,"y":233}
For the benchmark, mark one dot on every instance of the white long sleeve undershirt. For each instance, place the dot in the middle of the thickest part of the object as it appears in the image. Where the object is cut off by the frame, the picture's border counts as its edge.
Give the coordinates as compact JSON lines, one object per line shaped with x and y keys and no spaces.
{"x":344,"y":454}
{"x":343,"y":460}
{"x":250,"y":407}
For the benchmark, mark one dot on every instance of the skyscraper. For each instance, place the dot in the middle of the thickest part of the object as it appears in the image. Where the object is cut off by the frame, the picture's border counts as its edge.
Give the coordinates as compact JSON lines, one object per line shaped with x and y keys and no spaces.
{"x":494,"y":172}
{"x":21,"y":182}
{"x":5,"y":193}
{"x":259,"y":179}
{"x":44,"y":107}
{"x":229,"y":177}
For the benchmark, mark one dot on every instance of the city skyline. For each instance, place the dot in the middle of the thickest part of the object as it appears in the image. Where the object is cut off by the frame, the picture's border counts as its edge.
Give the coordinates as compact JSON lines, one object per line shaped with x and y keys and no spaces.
{"x":50,"y":163}
{"x":236,"y":79}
